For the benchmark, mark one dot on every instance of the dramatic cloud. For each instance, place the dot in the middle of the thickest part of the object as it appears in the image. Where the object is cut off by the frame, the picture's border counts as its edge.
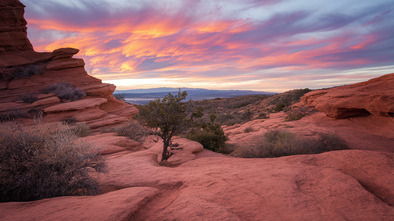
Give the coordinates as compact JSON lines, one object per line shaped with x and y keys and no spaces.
{"x":270,"y":45}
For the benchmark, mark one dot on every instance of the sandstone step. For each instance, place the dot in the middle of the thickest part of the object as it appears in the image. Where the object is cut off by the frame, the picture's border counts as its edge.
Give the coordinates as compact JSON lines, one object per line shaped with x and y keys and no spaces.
{"x":76,"y":105}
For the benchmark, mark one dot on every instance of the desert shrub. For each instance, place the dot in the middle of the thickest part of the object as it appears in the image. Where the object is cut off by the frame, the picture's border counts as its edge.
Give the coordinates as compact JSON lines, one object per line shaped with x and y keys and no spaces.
{"x":276,"y":143}
{"x":262,"y":115}
{"x":29,"y":98}
{"x":27,"y":71}
{"x":12,"y":115}
{"x":248,"y":129}
{"x":65,"y":91}
{"x":210,"y":135}
{"x":69,"y":120}
{"x":279,"y":107}
{"x":45,"y":162}
{"x":295,"y":114}
{"x":330,"y":141}
{"x":82,"y":129}
{"x":133,"y":130}
{"x":36,"y":113}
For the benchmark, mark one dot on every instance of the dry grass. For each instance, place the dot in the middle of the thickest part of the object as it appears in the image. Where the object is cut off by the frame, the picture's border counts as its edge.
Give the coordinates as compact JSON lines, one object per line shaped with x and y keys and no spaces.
{"x":65,"y":91}
{"x":277,"y":143}
{"x":45,"y":162}
{"x":133,"y":130}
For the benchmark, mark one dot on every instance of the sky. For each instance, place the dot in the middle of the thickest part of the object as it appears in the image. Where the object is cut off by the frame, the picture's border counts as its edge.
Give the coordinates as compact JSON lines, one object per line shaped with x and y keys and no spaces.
{"x":264,"y":45}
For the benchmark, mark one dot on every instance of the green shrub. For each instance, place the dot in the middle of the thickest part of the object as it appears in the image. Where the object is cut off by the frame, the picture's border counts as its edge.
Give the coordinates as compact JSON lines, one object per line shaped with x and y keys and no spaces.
{"x":210,"y":135}
{"x":45,"y":162}
{"x":65,"y":91}
{"x":276,"y":143}
{"x":279,"y":107}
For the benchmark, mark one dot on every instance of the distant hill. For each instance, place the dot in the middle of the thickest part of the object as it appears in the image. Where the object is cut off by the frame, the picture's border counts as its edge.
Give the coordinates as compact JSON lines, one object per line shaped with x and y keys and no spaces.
{"x":143,"y":96}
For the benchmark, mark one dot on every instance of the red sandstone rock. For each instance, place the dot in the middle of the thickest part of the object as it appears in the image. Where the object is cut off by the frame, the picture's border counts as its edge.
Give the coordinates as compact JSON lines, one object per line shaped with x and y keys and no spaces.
{"x":108,"y":120}
{"x":62,"y":53}
{"x":375,"y":97}
{"x":75,"y":105}
{"x":46,"y":101}
{"x":90,"y":114}
{"x":102,"y":90}
{"x":65,"y":63}
{"x":109,"y":143}
{"x":117,"y":205}
{"x":13,"y":35}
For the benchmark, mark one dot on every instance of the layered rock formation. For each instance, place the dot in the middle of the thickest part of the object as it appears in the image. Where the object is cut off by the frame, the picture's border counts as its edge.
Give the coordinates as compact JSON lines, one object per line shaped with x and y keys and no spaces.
{"x":13,"y":35}
{"x":373,"y":97}
{"x":24,"y":72}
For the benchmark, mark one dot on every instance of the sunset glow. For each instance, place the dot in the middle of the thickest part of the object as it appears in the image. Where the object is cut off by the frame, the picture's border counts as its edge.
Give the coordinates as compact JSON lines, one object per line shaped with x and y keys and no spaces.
{"x":271,"y":45}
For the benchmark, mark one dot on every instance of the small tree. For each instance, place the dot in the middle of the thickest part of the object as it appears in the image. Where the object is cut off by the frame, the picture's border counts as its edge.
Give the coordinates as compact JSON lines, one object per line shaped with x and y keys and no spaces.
{"x":168,"y":116}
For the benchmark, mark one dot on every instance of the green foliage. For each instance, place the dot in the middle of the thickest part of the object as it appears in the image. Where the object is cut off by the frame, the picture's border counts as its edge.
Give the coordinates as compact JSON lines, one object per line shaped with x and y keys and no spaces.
{"x":65,"y":91}
{"x":45,"y":162}
{"x":167,"y":115}
{"x":276,"y":143}
{"x":279,"y":107}
{"x":210,"y":135}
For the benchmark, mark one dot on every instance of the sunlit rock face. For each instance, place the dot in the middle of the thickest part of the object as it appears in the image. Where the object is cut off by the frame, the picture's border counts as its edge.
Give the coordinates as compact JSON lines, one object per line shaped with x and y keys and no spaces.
{"x":373,"y":97}
{"x":25,"y":72}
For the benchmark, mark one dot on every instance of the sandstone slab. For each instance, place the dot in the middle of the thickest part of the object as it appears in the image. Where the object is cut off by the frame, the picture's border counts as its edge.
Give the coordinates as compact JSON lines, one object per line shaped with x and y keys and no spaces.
{"x":62,"y":53}
{"x":65,"y":63}
{"x":117,"y":205}
{"x":46,"y":101}
{"x":75,"y":105}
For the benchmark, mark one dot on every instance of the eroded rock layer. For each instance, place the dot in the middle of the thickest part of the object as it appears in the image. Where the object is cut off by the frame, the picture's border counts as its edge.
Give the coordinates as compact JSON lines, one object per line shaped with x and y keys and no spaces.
{"x":373,"y":97}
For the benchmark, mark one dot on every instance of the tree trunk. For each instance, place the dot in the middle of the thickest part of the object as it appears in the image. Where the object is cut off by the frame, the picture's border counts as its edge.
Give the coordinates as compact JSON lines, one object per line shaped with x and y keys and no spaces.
{"x":165,"y":155}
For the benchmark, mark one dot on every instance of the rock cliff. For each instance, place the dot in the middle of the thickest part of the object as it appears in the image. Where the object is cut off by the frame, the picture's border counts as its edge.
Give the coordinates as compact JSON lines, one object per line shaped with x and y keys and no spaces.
{"x":26,"y":74}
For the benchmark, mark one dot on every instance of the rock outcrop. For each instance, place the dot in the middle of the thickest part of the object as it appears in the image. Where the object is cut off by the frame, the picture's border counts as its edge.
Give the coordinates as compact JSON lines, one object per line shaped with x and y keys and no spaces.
{"x":26,"y":73}
{"x":373,"y":97}
{"x":13,"y":35}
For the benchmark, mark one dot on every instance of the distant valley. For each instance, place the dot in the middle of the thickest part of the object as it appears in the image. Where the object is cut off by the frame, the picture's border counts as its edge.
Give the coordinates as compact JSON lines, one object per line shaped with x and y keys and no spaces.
{"x":143,"y":96}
